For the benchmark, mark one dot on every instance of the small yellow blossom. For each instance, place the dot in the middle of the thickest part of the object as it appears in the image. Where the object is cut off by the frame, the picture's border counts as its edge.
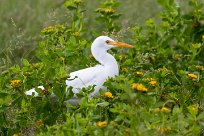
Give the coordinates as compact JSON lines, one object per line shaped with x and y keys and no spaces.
{"x":125,"y":70}
{"x":75,"y":34}
{"x":153,"y":83}
{"x":108,"y":95}
{"x":109,"y":10}
{"x":163,"y":130}
{"x":139,"y":87}
{"x":177,"y":56}
{"x":192,"y":76}
{"x":15,"y":83}
{"x":203,"y":37}
{"x":163,"y":69}
{"x":165,"y":110}
{"x":102,"y":124}
{"x":150,"y":79}
{"x":200,"y":67}
{"x":16,"y":134}
{"x":193,"y":109}
{"x":105,"y":10}
{"x":39,"y":123}
{"x":139,"y":73}
{"x":51,"y":29}
{"x":62,"y":59}
{"x":48,"y":29}
{"x":159,"y":110}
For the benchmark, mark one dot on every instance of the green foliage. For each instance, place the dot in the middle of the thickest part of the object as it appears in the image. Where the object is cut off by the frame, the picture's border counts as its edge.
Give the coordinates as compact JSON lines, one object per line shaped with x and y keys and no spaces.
{"x":159,"y":91}
{"x":19,"y":38}
{"x":108,"y":15}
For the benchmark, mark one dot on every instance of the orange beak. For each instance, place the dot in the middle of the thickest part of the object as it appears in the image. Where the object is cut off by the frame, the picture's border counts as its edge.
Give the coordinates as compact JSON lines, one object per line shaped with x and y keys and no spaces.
{"x":121,"y":44}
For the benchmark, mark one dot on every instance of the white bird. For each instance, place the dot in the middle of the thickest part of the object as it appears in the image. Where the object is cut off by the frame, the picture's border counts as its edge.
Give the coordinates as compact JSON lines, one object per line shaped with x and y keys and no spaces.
{"x":98,"y":74}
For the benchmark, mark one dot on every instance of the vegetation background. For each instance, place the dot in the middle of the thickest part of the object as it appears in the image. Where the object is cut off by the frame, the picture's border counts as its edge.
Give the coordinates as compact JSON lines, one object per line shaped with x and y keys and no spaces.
{"x":160,"y":88}
{"x":22,"y":21}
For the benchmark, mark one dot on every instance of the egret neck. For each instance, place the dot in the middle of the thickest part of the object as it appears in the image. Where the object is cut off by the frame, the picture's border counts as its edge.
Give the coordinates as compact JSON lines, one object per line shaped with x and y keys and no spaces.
{"x":105,"y":59}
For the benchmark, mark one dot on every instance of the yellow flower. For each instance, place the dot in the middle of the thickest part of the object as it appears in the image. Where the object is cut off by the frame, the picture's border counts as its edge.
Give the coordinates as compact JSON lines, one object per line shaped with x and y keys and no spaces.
{"x":105,"y":10}
{"x":51,"y":29}
{"x":62,"y":59}
{"x":125,"y":70}
{"x":139,"y":87}
{"x":177,"y":56}
{"x":108,"y":95}
{"x":102,"y":124}
{"x":75,"y":34}
{"x":163,"y":130}
{"x":193,"y":109}
{"x":153,"y":83}
{"x":203,"y":37}
{"x":48,"y":29}
{"x":110,"y":10}
{"x":16,"y":134}
{"x":192,"y":76}
{"x":150,"y":79}
{"x":39,"y":123}
{"x":163,"y":69}
{"x":165,"y":110}
{"x":139,"y":73}
{"x":200,"y":67}
{"x":15,"y":83}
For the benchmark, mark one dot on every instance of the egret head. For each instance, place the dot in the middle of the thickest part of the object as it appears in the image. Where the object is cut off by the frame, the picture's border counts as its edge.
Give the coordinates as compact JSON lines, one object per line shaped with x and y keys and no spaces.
{"x":108,"y":43}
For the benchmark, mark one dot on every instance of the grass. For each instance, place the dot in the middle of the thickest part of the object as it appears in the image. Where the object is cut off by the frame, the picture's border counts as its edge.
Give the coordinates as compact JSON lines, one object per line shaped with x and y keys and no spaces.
{"x":21,"y":23}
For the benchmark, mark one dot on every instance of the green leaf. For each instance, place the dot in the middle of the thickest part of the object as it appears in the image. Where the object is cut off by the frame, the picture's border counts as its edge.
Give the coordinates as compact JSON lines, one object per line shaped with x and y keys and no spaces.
{"x":171,"y":2}
{"x":162,"y":2}
{"x":25,"y":62}
{"x":115,"y":16}
{"x":61,"y":72}
{"x":15,"y":69}
{"x":103,"y":104}
{"x":73,"y":40}
{"x":70,"y":5}
{"x":101,"y":18}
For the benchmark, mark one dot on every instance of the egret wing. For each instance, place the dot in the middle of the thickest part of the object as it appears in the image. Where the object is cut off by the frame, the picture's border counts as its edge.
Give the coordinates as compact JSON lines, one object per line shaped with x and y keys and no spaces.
{"x":85,"y":77}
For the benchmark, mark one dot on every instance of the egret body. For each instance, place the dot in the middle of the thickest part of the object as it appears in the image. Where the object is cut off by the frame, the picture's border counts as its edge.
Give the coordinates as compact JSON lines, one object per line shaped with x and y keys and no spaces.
{"x":97,"y":75}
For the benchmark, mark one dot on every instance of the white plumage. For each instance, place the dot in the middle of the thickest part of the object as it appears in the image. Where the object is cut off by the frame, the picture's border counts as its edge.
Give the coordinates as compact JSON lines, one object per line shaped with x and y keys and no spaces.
{"x":32,"y":91}
{"x":98,"y":74}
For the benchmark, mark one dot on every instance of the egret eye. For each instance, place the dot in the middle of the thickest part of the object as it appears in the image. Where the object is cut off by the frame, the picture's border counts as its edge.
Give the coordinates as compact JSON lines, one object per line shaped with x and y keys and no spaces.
{"x":108,"y":42}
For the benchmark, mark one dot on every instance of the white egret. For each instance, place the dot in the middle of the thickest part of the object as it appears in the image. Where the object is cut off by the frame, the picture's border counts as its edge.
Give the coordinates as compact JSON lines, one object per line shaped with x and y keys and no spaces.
{"x":97,"y":75}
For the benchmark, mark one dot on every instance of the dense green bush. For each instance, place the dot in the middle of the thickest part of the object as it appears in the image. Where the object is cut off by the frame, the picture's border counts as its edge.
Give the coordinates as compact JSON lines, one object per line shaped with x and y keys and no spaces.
{"x":159,"y":91}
